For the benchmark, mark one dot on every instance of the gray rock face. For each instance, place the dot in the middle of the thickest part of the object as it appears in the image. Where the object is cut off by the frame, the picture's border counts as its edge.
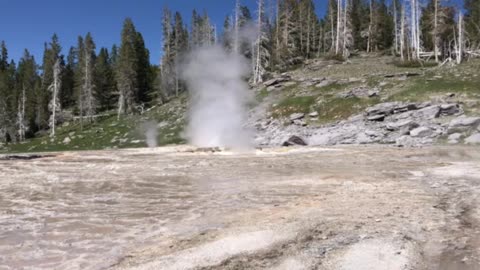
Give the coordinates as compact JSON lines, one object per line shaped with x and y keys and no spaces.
{"x":455,"y":136}
{"x":401,"y":124}
{"x":67,"y":140}
{"x":421,"y":132}
{"x":449,"y":109}
{"x":429,"y":113}
{"x":383,"y":108}
{"x":474,"y":139}
{"x":408,"y":141}
{"x":463,"y":121}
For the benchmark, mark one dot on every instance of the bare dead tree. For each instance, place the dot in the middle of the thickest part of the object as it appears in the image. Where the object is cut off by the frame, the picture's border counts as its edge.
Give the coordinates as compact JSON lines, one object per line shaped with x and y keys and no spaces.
{"x":54,"y":105}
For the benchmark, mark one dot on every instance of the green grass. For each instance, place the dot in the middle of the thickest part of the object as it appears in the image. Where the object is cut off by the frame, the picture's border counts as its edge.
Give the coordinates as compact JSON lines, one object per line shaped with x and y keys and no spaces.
{"x":335,"y":108}
{"x":109,"y":133}
{"x":291,"y":105}
{"x":414,"y":64}
{"x":261,"y":95}
{"x":420,"y":89}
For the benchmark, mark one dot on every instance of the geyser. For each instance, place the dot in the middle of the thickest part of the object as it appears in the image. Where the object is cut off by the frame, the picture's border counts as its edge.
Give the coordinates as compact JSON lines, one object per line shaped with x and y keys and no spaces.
{"x":219,"y":98}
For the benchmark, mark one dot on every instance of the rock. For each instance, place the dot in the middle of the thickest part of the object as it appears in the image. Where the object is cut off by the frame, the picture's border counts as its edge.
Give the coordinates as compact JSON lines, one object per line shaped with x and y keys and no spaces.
{"x":455,"y":136}
{"x":449,"y":109}
{"x":300,"y":122}
{"x":296,"y":116}
{"x":378,"y":117}
{"x":474,"y":139}
{"x":323,"y":83}
{"x":429,"y":113}
{"x":313,"y":114}
{"x":288,"y":84}
{"x":354,"y":80}
{"x":67,"y":140}
{"x":421,"y":132}
{"x":295,"y":140}
{"x":275,"y":81}
{"x":360,"y":92}
{"x":408,"y":141}
{"x":405,"y":108}
{"x":409,"y":124}
{"x":373,"y":93}
{"x":463,"y":121}
{"x":383,"y":108}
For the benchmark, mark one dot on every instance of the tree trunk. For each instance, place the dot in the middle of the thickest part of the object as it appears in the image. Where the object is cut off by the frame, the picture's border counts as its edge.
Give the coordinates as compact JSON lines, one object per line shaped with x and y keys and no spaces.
{"x":339,"y":18}
{"x":435,"y":31}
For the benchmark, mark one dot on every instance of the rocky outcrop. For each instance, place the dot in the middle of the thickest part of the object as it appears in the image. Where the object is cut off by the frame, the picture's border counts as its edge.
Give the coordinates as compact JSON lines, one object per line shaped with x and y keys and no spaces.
{"x":398,"y":123}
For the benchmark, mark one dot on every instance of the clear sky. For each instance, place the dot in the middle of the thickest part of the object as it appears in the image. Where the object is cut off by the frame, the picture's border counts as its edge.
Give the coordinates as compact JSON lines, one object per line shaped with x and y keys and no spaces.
{"x":30,"y":23}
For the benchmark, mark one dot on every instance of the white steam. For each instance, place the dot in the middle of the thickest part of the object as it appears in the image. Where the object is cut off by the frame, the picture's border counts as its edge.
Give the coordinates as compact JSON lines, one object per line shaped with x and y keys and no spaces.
{"x":151,"y":133}
{"x":218,"y":98}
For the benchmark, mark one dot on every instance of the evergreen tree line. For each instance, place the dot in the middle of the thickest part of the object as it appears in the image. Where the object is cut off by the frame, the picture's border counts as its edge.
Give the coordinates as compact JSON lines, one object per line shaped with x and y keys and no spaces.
{"x":278,"y":34}
{"x":35,"y":97}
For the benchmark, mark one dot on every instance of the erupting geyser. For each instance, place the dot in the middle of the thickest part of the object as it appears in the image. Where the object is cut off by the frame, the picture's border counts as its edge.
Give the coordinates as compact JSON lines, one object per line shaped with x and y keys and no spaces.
{"x":218,"y":98}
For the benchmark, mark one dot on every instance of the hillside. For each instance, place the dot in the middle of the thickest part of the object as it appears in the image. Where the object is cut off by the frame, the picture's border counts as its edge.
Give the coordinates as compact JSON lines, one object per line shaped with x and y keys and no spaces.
{"x":321,"y":96}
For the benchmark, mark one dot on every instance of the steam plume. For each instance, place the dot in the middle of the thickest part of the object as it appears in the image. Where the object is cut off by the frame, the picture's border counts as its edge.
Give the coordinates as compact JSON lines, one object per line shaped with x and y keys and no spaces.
{"x":218,"y":98}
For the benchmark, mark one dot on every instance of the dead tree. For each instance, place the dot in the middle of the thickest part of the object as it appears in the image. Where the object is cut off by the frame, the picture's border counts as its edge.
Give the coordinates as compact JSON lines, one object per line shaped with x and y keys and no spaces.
{"x":54,"y":102}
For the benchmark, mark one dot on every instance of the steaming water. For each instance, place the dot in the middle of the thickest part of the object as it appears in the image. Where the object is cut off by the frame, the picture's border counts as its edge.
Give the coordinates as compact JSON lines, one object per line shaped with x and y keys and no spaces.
{"x":218,"y":98}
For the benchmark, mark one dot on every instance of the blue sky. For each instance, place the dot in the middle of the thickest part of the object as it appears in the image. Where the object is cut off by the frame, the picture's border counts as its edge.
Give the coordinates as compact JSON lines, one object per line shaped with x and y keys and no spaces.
{"x":30,"y":23}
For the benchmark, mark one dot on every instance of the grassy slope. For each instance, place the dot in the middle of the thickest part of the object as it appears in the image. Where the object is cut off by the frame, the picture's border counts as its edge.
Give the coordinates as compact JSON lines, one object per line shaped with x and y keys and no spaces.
{"x":127,"y":132}
{"x":434,"y":83}
{"x":110,"y":132}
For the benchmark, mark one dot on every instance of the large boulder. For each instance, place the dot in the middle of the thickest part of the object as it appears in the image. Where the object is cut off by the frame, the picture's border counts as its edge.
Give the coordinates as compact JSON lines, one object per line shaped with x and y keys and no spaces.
{"x":449,"y":109}
{"x":430,"y":112}
{"x":383,"y":108}
{"x":295,"y":140}
{"x":421,"y":132}
{"x":474,"y":139}
{"x":464,"y":122}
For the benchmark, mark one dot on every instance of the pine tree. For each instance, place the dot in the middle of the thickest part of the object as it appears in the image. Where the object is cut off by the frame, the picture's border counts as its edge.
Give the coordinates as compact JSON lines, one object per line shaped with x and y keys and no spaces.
{"x":472,"y":22}
{"x":143,"y":71}
{"x":67,"y":95}
{"x":6,"y":94}
{"x":105,"y":81}
{"x":126,"y":69}
{"x":227,"y":34}
{"x":88,"y":67}
{"x":27,"y":79}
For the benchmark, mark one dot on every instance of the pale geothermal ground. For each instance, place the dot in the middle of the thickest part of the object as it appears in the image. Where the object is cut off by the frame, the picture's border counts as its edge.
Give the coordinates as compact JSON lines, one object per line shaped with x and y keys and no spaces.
{"x":306,"y":208}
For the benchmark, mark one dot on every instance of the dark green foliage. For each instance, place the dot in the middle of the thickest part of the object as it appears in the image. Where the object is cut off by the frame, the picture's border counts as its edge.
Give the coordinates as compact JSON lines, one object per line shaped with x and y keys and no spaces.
{"x":472,"y":20}
{"x":105,"y":81}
